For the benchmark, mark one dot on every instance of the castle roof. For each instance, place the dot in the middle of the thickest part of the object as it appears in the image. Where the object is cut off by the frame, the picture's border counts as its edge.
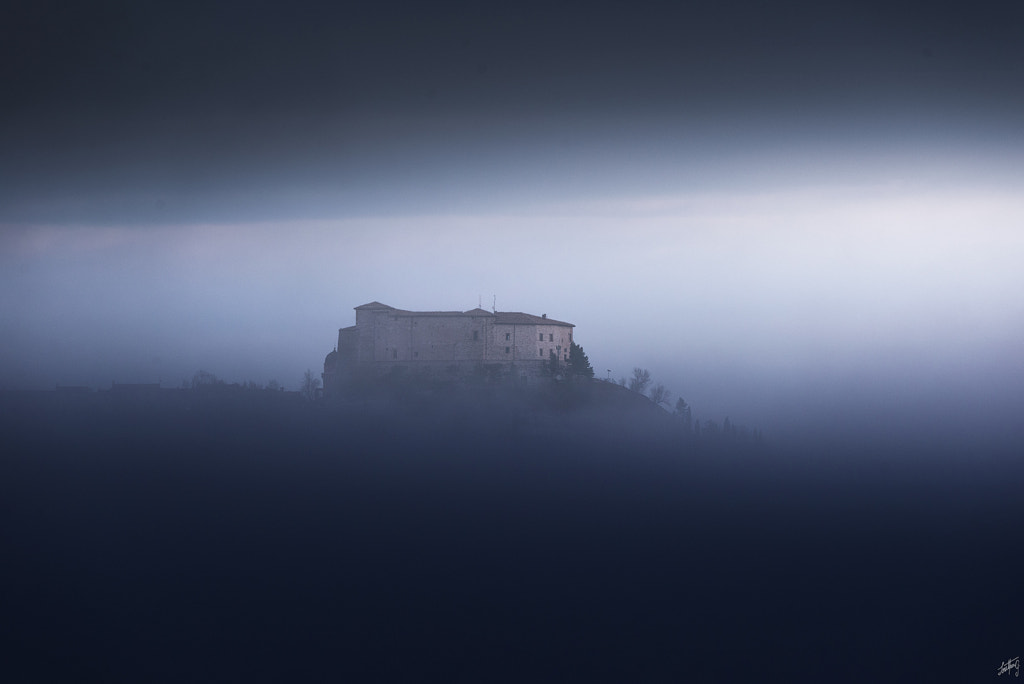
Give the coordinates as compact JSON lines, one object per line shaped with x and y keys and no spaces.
{"x":500,"y":317}
{"x":520,"y":318}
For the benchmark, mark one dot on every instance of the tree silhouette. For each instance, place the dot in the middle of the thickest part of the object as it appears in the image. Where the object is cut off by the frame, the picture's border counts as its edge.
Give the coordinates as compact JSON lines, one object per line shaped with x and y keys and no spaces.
{"x":640,"y":380}
{"x":579,"y":364}
{"x":684,"y":414}
{"x":205,"y":379}
{"x":310,"y":384}
{"x":660,"y":395}
{"x":554,"y":367}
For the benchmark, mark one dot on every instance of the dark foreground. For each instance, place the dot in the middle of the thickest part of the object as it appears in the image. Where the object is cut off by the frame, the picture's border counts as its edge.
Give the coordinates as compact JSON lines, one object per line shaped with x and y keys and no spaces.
{"x":232,"y":541}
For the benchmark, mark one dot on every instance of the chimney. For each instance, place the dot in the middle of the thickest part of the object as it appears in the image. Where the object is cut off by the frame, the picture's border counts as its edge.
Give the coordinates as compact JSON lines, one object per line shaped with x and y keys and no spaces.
{"x":543,"y":315}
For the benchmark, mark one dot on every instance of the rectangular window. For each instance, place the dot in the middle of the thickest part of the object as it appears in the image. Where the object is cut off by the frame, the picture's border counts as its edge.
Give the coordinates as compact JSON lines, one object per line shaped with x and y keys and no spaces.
{"x":508,"y":336}
{"x":542,"y":352}
{"x":476,"y":335}
{"x":541,"y":337}
{"x":507,"y":349}
{"x":551,"y":338}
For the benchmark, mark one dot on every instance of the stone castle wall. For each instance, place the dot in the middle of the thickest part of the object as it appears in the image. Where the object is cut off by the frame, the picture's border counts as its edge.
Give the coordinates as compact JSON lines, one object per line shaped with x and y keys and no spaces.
{"x":387,"y":342}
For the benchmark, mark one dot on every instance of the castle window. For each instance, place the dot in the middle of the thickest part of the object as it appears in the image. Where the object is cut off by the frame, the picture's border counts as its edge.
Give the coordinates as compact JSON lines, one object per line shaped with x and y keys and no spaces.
{"x":476,"y":335}
{"x":507,"y":349}
{"x":541,"y":338}
{"x":542,"y":352}
{"x":551,"y":338}
{"x":508,"y":336}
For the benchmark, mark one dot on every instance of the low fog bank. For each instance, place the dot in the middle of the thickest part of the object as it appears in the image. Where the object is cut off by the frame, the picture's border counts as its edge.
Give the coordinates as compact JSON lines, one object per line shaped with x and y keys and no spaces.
{"x":258,"y":536}
{"x":874,"y":307}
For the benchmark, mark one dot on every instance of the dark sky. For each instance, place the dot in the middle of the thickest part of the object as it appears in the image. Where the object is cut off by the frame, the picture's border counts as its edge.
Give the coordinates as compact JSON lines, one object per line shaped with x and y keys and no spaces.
{"x":168,"y":111}
{"x":779,"y":208}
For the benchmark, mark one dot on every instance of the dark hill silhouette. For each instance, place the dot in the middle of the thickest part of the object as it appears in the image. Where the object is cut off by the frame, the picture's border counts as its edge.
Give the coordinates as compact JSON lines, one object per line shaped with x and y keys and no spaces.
{"x":477,"y":535}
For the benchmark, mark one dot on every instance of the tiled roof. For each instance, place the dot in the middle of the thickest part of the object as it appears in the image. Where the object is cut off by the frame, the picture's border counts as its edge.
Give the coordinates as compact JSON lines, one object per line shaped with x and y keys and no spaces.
{"x":520,"y":318}
{"x":403,"y":312}
{"x":500,"y":317}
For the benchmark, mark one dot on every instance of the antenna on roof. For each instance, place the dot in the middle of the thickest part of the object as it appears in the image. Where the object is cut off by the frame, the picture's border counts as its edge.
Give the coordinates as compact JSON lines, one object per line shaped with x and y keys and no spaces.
{"x":494,"y":304}
{"x":479,"y":301}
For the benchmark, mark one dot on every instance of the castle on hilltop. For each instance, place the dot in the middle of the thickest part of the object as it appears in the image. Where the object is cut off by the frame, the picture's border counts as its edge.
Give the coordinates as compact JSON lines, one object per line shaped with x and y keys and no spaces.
{"x":439,"y":344}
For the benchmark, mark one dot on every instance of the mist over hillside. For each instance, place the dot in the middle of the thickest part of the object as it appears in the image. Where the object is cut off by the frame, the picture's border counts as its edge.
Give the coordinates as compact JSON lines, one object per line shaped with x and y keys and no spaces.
{"x":793,"y":216}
